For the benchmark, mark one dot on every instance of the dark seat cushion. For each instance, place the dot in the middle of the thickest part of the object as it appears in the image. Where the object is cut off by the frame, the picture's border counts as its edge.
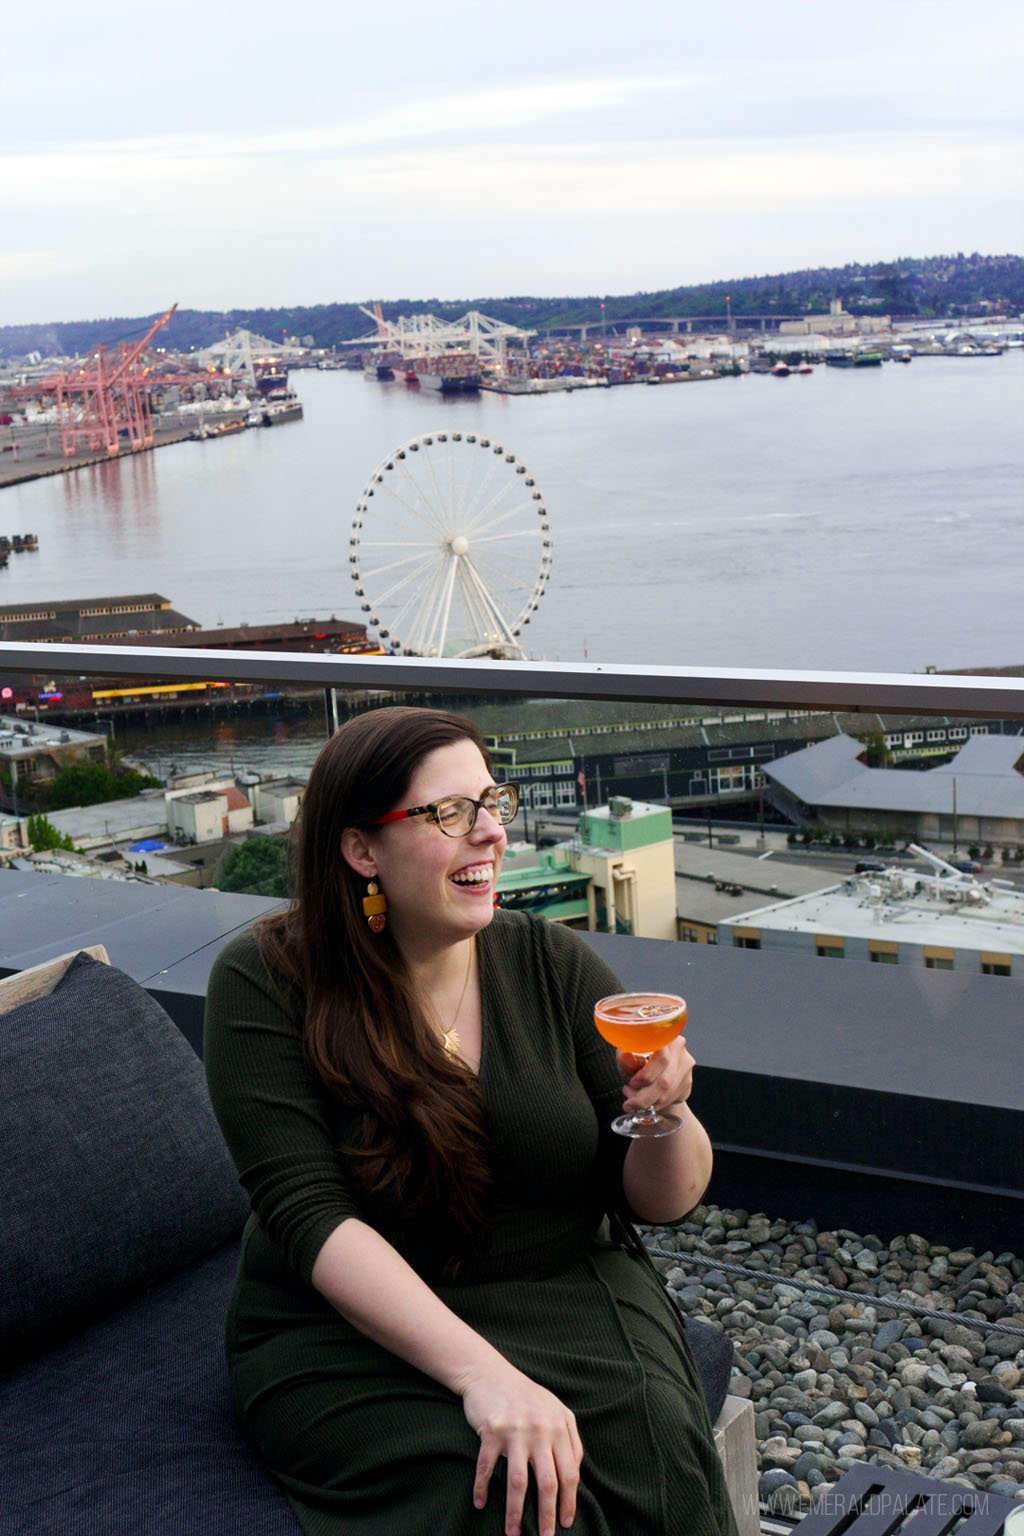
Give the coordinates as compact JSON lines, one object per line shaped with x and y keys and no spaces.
{"x":114,"y":1173}
{"x":128,"y":1429}
{"x":713,"y":1353}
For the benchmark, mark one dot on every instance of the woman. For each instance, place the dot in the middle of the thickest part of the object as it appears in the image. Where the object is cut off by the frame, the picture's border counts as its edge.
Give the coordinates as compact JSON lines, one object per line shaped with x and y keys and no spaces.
{"x":428,"y":1304}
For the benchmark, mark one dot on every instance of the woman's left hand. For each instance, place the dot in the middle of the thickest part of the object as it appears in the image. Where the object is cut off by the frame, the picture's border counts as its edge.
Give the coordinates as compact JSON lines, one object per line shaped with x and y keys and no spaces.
{"x":665,"y":1079}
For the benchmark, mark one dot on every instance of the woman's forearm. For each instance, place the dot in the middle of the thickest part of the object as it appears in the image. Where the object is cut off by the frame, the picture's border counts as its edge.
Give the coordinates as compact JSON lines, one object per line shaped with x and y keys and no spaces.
{"x":372,"y":1286}
{"x":517,"y":1420}
{"x":665,"y":1176}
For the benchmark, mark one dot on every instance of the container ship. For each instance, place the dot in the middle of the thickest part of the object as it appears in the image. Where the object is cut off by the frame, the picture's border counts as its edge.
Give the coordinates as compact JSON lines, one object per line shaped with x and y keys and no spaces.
{"x":452,"y":373}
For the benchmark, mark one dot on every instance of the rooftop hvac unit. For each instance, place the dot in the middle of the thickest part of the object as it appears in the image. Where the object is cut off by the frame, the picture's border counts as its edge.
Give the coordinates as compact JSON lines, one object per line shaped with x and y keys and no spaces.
{"x":620,"y":806}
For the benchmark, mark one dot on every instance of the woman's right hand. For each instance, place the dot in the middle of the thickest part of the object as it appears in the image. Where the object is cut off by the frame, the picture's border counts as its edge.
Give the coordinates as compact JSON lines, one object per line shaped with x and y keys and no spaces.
{"x":372,"y":1286}
{"x":526,"y":1424}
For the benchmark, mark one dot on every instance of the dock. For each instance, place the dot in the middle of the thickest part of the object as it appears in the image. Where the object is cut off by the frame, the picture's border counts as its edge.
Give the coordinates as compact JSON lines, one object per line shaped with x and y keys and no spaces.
{"x":34,"y":463}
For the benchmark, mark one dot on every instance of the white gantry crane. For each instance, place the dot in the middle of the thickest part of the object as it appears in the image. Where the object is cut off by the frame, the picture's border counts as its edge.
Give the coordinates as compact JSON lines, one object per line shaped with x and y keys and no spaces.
{"x":497,"y":347}
{"x":242,"y":351}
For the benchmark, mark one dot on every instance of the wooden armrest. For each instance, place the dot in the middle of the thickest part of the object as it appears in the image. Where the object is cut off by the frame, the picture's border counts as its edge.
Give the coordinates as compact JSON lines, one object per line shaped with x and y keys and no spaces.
{"x":736,"y":1444}
{"x":38,"y":980}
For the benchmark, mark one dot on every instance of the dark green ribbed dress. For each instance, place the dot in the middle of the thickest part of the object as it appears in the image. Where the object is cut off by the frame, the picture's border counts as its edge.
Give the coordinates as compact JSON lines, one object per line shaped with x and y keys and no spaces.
{"x":365,"y":1444}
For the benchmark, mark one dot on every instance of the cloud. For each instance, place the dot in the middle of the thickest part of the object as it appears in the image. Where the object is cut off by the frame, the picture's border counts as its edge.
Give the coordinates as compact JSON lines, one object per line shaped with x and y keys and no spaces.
{"x":631,"y":150}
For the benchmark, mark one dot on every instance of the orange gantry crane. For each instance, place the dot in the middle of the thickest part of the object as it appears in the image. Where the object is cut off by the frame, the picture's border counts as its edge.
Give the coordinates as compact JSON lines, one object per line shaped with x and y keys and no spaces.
{"x":106,"y":400}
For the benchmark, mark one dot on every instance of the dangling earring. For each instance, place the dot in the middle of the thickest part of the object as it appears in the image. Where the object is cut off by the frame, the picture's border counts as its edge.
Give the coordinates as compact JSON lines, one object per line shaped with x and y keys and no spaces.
{"x":375,"y":905}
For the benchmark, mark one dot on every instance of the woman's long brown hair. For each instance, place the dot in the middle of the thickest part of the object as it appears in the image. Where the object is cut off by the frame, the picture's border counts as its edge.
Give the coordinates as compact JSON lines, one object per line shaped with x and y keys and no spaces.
{"x":422,"y":1140}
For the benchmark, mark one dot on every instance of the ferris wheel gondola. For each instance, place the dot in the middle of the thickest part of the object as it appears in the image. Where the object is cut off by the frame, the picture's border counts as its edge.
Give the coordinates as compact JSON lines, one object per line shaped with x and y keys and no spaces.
{"x":450,"y":550}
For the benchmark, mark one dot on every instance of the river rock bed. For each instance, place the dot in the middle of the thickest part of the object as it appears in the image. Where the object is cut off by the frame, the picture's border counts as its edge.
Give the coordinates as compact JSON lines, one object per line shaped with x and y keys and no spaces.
{"x":841,"y":1379}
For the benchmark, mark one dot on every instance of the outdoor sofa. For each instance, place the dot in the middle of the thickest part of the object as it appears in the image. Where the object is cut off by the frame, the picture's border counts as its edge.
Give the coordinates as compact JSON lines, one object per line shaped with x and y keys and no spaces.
{"x":120,"y":1219}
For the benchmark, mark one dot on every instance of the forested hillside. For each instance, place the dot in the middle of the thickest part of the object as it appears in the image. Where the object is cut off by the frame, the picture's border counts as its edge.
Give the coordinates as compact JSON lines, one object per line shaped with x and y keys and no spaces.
{"x":939,"y":287}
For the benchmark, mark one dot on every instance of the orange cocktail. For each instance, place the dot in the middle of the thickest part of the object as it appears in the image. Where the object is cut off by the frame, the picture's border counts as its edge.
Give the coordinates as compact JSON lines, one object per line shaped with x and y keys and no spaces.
{"x":641,"y":1023}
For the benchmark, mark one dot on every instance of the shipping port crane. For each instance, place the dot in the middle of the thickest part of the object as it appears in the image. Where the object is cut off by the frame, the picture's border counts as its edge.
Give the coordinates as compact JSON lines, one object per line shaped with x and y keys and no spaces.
{"x":474,"y":334}
{"x":107,"y":399}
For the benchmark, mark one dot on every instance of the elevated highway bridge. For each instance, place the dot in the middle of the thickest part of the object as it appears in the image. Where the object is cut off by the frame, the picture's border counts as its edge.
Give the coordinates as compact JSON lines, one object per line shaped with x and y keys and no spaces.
{"x":670,"y":325}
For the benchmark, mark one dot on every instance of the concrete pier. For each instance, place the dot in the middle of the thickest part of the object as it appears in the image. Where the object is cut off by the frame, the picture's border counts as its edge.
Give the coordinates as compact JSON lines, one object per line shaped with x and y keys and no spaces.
{"x":30,"y":462}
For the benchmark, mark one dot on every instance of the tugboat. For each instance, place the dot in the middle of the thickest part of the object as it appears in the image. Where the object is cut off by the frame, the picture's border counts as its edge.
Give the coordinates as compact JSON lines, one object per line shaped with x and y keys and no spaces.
{"x":283,"y":406}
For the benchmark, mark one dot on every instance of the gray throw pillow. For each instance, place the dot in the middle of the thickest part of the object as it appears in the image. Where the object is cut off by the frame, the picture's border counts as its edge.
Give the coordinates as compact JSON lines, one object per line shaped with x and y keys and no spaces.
{"x":113,"y":1170}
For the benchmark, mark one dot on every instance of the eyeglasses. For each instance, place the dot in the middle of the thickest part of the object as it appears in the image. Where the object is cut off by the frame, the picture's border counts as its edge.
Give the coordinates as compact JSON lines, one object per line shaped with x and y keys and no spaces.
{"x":456,"y":815}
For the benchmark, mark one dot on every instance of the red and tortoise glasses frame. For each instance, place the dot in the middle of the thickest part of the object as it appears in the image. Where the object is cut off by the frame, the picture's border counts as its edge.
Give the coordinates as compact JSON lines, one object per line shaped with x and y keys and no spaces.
{"x":456,"y":815}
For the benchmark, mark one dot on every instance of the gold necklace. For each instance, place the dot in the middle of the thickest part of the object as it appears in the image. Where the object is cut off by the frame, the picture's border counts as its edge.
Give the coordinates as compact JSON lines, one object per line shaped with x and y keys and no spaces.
{"x":450,"y":1037}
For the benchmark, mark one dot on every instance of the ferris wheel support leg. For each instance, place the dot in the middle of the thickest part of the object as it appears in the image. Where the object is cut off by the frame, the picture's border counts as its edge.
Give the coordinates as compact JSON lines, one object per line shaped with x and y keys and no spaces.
{"x":498,"y":622}
{"x":450,"y":584}
{"x":421,"y":621}
{"x":476,"y":610}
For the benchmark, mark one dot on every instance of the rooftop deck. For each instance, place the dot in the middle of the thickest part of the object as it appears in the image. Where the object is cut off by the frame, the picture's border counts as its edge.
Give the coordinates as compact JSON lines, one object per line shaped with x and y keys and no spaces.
{"x":862,"y":1099}
{"x":859,"y":1094}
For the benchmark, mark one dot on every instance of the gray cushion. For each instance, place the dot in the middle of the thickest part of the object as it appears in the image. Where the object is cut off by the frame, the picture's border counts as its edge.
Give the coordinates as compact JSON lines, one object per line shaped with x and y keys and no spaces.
{"x":713,"y":1353}
{"x":127,"y":1429}
{"x":113,"y":1171}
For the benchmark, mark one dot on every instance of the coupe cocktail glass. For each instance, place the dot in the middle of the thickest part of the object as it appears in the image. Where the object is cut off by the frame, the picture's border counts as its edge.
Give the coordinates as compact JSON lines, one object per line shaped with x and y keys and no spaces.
{"x":642,"y":1022}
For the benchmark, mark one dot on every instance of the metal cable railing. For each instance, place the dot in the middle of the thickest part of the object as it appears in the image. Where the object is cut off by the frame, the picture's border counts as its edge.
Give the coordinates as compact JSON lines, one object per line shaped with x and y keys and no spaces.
{"x":821,"y":1287}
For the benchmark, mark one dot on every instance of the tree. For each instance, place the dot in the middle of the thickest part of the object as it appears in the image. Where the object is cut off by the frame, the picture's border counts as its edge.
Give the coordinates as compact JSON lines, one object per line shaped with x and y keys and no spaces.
{"x":87,"y":782}
{"x":878,"y":754}
{"x":43,"y":835}
{"x":259,"y":867}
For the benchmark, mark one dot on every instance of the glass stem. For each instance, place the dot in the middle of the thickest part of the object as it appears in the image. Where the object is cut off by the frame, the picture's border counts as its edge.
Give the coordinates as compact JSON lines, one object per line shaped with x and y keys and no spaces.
{"x":649,"y":1115}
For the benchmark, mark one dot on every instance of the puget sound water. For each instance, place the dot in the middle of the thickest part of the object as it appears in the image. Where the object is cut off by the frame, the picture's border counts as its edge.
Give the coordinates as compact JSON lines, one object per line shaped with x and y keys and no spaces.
{"x":866,"y":519}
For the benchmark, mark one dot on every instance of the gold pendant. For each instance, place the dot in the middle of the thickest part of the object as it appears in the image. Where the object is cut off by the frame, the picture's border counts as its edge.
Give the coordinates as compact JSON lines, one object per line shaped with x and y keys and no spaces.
{"x":451,"y":1042}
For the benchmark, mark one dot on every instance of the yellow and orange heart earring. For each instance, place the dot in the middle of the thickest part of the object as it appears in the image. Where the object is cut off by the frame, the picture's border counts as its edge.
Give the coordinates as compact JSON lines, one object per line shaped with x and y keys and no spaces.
{"x":375,"y":905}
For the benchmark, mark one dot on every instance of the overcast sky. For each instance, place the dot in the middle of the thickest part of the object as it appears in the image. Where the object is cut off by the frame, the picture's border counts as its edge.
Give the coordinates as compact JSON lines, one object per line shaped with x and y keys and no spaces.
{"x":309,"y":151}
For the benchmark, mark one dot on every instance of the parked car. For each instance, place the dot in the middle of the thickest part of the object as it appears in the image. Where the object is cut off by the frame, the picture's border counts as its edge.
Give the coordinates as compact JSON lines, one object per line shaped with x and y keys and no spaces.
{"x":869,"y":866}
{"x":969,"y":866}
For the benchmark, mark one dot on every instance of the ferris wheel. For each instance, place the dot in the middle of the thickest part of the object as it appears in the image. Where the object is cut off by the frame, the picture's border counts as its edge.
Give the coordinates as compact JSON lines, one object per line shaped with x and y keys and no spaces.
{"x":450,"y":550}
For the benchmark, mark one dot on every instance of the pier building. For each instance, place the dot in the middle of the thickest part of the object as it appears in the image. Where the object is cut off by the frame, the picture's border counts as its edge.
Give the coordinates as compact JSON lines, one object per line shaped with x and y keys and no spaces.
{"x":691,"y":762}
{"x":139,"y":617}
{"x":975,"y":796}
{"x":147,"y":619}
